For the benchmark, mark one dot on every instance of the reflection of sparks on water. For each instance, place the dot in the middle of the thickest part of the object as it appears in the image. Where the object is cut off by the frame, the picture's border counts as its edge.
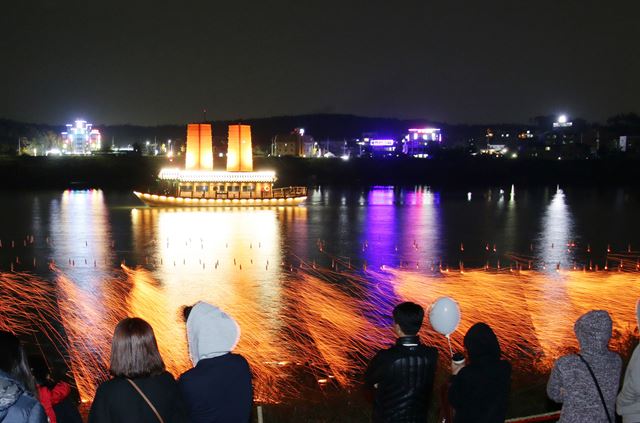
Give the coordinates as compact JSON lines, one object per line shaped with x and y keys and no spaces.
{"x":532,"y":313}
{"x":326,"y":321}
{"x":341,"y":338}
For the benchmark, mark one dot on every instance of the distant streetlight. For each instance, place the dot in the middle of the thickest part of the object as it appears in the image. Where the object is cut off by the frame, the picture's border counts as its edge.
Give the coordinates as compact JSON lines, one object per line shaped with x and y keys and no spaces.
{"x":562,"y":122}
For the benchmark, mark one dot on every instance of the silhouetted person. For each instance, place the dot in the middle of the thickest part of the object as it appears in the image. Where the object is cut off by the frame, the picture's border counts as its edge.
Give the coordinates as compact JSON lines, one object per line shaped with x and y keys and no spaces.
{"x":402,"y":375}
{"x":218,"y":388}
{"x":575,"y":378}
{"x":18,"y":403}
{"x":479,"y":390}
{"x":141,"y":390}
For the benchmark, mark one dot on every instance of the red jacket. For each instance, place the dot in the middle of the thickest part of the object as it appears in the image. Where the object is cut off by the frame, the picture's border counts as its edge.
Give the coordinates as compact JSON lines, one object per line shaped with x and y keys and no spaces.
{"x":51,"y":397}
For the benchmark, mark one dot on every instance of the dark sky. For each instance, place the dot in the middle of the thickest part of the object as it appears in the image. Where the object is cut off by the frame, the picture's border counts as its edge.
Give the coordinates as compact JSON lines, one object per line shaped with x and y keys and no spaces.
{"x":474,"y":61}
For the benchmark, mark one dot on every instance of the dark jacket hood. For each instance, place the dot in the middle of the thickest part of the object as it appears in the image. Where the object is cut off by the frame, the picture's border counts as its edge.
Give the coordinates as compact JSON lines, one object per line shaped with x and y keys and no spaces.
{"x":593,"y":331}
{"x":10,"y":392}
{"x":481,"y":344}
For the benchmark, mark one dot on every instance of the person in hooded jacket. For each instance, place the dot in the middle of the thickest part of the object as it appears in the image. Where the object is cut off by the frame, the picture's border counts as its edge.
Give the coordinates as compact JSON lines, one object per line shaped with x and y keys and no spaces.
{"x":571,"y":382}
{"x":479,"y":391}
{"x":218,"y":389}
{"x":628,"y":403}
{"x":18,"y":403}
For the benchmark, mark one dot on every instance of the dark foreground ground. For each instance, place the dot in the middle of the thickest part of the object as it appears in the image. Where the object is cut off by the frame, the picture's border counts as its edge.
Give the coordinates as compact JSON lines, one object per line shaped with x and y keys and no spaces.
{"x":464,"y":172}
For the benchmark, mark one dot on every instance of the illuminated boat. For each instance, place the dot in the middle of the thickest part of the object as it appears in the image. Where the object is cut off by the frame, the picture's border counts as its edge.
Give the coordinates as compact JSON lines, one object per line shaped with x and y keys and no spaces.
{"x":198,"y":185}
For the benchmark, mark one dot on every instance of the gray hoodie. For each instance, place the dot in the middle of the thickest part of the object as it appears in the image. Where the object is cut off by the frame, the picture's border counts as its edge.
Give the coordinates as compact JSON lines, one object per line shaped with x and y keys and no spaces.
{"x":211,"y":332}
{"x":571,"y":383}
{"x":16,"y":405}
{"x":629,"y":398}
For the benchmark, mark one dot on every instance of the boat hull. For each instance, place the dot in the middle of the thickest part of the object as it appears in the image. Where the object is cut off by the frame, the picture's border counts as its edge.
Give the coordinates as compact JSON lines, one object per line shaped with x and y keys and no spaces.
{"x":155,"y":200}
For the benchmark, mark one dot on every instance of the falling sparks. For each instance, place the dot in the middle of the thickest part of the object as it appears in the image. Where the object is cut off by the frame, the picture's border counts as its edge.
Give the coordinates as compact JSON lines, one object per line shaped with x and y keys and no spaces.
{"x":328,"y":323}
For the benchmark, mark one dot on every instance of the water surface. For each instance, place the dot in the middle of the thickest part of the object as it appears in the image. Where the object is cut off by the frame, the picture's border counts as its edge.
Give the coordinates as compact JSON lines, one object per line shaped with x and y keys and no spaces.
{"x":313,"y":286}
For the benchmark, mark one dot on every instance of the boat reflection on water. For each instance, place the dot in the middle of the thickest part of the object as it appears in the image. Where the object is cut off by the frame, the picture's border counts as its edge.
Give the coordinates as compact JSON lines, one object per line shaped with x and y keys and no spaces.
{"x":228,"y":257}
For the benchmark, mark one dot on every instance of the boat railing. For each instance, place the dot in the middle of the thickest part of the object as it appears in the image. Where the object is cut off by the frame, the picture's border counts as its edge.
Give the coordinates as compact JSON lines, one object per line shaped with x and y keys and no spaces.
{"x":289,"y":192}
{"x":284,"y":192}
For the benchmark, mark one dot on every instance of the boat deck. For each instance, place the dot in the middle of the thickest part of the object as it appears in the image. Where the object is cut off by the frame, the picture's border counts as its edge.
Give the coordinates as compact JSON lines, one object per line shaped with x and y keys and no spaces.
{"x":286,"y":196}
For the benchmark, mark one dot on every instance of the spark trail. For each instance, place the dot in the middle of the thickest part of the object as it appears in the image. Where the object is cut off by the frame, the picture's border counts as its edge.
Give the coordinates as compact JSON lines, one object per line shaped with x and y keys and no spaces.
{"x":316,"y":320}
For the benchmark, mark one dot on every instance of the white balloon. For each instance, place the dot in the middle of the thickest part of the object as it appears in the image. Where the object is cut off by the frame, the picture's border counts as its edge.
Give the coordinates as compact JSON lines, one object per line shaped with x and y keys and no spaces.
{"x":444,"y":315}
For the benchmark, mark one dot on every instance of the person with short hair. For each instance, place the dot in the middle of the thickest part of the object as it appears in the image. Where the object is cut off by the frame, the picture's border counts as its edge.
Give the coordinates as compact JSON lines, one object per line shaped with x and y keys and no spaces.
{"x":141,"y":390}
{"x":18,"y":394}
{"x":218,"y":388}
{"x":402,"y":375}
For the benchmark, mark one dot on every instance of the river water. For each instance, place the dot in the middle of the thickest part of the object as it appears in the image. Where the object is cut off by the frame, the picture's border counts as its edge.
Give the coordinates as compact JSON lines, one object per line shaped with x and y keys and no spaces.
{"x":313,"y":286}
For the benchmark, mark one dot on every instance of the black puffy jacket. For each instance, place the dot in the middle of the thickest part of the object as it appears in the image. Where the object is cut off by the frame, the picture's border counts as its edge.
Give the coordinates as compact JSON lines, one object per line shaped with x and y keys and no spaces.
{"x":403,"y":380}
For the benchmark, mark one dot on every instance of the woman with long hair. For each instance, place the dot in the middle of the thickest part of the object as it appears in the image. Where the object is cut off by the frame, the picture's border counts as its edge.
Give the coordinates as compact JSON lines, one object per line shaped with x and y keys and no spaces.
{"x":18,"y":395}
{"x":141,"y":390}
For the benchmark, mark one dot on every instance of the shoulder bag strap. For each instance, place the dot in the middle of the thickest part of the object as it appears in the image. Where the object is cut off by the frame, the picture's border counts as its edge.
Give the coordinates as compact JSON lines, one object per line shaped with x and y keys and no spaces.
{"x":604,"y":404}
{"x":149,"y":402}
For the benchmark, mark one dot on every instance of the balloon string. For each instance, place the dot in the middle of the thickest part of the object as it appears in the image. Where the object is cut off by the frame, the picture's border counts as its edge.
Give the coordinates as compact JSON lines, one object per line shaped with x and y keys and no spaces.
{"x":449,"y":340}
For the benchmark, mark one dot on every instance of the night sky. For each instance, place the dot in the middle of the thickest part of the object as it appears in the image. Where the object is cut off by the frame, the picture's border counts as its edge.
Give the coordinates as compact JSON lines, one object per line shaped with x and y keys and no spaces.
{"x":475,"y":61}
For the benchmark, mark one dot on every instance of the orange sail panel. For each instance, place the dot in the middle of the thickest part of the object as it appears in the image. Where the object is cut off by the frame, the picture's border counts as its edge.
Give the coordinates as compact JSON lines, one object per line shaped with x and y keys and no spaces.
{"x":199,"y":147}
{"x":239,"y":150}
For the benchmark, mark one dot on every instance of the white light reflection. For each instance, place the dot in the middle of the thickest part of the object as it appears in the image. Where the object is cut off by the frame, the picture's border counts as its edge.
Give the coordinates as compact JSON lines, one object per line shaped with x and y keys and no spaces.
{"x":555,"y":239}
{"x":80,"y":235}
{"x":422,"y":227}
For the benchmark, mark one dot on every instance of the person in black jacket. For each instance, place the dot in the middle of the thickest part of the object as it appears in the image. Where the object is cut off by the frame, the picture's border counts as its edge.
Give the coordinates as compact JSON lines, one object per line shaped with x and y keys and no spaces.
{"x":402,"y":375}
{"x":141,"y":390}
{"x":479,"y":391}
{"x":218,"y":388}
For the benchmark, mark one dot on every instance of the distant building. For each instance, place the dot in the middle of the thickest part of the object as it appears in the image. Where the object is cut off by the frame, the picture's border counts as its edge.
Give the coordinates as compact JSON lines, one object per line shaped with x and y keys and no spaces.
{"x":295,"y":144}
{"x":374,"y":144}
{"x":566,"y":133}
{"x":382,"y":146}
{"x":81,"y":138}
{"x":629,"y":143}
{"x":417,"y":141}
{"x":334,"y":148}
